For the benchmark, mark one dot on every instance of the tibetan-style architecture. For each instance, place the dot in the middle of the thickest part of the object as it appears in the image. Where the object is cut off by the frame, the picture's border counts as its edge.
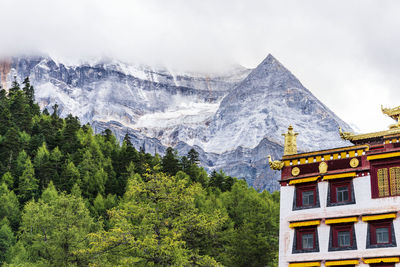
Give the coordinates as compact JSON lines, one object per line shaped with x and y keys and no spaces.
{"x":340,"y":207}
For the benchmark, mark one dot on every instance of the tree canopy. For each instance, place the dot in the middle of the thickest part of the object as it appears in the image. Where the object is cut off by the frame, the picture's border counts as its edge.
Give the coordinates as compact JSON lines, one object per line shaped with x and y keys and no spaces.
{"x":70,"y":197}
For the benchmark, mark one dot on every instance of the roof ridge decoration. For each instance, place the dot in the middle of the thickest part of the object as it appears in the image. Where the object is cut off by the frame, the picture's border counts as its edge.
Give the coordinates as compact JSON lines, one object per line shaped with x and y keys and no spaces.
{"x":290,"y":146}
{"x":276,"y":164}
{"x":394,"y":113}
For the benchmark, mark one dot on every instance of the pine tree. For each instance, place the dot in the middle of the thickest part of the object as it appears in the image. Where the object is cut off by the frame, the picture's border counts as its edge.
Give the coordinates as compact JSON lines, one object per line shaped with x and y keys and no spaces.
{"x":9,"y":207}
{"x":193,"y":156}
{"x":8,"y":180}
{"x":27,"y":183}
{"x":44,"y":169}
{"x":170,"y":162}
{"x":69,"y":176}
{"x":14,"y":88}
{"x":28,"y":90}
{"x":7,"y":240}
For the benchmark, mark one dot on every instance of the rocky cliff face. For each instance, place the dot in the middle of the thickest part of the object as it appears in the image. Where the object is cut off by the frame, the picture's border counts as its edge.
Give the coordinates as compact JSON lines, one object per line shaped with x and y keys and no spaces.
{"x":233,"y":119}
{"x":5,"y":67}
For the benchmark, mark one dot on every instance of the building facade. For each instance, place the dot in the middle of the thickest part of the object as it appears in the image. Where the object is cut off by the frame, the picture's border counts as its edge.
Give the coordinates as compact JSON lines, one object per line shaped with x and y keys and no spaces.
{"x":340,"y":207}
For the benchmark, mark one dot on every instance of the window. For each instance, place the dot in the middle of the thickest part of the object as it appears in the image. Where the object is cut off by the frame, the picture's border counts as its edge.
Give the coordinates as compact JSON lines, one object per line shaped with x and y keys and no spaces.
{"x":306,"y":196}
{"x":385,"y":180}
{"x":305,"y":240}
{"x":342,"y":237}
{"x":381,"y":234}
{"x":341,"y":192}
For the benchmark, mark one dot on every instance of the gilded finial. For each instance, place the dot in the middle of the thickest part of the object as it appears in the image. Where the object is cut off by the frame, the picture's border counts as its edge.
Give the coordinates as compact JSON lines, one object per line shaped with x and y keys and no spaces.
{"x":394,"y":113}
{"x":276,"y":164}
{"x":345,"y":135}
{"x":290,"y":147}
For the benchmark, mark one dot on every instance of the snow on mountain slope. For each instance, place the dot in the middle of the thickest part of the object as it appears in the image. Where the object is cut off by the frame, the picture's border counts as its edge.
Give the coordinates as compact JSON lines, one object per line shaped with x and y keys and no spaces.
{"x":264,"y":105}
{"x":234,"y":119}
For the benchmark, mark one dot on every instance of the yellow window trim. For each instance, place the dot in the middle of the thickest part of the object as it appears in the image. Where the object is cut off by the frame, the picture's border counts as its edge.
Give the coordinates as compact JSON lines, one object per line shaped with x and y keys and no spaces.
{"x":304,"y":180}
{"x":379,"y":260}
{"x":305,"y":264}
{"x":341,"y":220}
{"x":342,"y":262}
{"x":384,"y":156}
{"x":304,"y":223}
{"x":340,"y":175}
{"x":378,"y":217}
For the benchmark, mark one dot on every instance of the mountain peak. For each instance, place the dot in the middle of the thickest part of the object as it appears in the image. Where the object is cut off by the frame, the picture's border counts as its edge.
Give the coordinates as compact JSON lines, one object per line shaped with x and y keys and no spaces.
{"x":271,"y":64}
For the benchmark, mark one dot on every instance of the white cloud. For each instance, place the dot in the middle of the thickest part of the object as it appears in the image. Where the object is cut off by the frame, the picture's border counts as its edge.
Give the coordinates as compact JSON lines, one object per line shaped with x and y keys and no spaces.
{"x":345,"y":52}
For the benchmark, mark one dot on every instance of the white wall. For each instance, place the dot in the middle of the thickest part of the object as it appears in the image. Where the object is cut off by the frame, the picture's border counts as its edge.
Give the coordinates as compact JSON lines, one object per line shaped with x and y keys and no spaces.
{"x":364,"y":205}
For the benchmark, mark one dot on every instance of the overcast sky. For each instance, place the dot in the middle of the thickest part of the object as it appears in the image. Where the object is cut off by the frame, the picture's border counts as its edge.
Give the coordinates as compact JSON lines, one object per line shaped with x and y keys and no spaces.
{"x":346,"y":52}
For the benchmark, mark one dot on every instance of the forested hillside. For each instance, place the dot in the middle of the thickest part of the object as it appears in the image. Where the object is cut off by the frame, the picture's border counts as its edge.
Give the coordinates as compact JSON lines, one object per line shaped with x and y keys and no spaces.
{"x":69,"y":197}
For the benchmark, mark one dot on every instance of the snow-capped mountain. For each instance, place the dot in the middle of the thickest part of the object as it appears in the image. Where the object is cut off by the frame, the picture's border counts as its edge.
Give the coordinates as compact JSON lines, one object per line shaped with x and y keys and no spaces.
{"x":233,"y":119}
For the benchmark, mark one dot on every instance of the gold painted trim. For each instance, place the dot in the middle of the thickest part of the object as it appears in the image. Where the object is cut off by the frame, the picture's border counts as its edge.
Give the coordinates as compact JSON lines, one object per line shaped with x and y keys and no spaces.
{"x":340,"y":175}
{"x":327,"y":151}
{"x":384,"y":156}
{"x":355,"y":137}
{"x":304,"y":223}
{"x":367,"y":218}
{"x":341,"y":262}
{"x":341,"y":220}
{"x":305,"y":264}
{"x":384,"y":260}
{"x":304,"y":180}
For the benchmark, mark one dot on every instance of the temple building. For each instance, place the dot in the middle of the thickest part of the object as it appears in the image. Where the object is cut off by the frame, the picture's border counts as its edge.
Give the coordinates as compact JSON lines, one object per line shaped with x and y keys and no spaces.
{"x":340,"y":207}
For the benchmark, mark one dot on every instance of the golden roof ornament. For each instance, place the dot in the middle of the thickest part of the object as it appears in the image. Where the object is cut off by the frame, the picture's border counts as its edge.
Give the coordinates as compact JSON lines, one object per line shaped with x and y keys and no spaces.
{"x":394,"y":113}
{"x":345,"y":135}
{"x":276,"y":164}
{"x":290,"y":147}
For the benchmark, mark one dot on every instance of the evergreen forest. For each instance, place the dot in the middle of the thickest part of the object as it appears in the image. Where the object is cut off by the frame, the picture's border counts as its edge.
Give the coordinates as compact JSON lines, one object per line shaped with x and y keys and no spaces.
{"x":70,"y":197}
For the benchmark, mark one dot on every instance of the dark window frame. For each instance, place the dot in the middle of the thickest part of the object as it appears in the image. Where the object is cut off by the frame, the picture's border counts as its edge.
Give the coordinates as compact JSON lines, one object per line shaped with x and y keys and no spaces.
{"x":371,"y":234}
{"x":333,"y":237}
{"x":332,"y":192}
{"x":298,"y":193}
{"x":297,"y":240}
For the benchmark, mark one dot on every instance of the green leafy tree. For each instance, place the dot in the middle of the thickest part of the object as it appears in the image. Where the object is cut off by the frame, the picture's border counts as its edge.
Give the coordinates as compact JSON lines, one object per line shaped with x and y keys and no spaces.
{"x":7,"y":240}
{"x":54,"y":227}
{"x":8,"y":180}
{"x":155,"y":224}
{"x":256,"y":222}
{"x":9,"y":207}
